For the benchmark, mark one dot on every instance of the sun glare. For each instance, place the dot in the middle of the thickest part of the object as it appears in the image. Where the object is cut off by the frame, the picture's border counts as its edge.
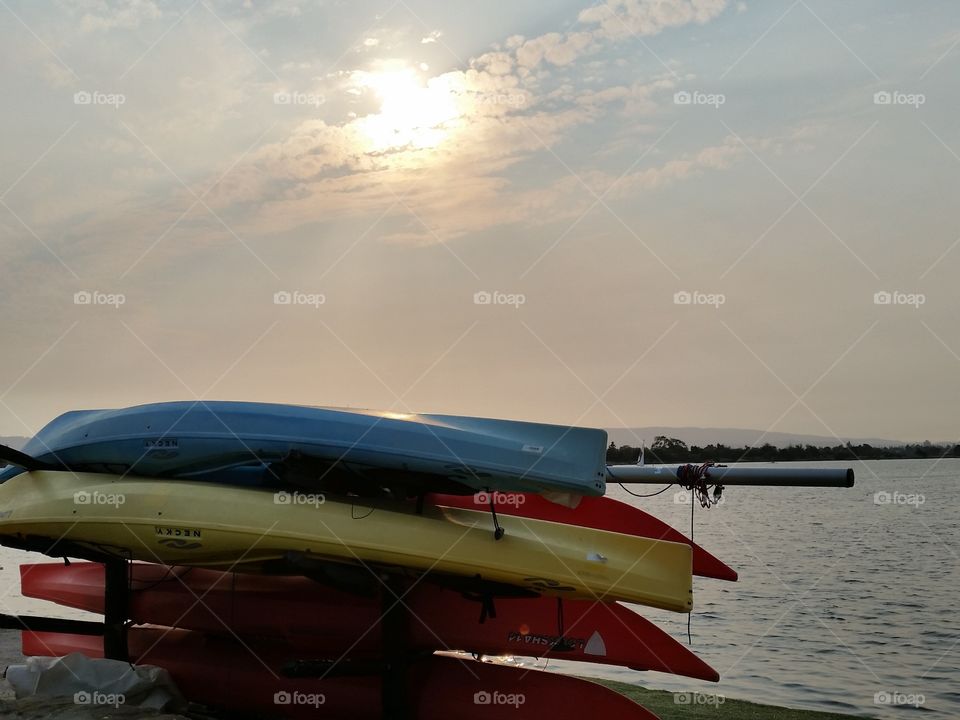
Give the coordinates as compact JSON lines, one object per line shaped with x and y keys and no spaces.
{"x":413,"y":114}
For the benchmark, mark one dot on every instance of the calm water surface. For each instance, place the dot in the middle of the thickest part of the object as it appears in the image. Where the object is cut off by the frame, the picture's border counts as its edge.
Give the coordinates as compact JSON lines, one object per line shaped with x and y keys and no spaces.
{"x":839,"y":598}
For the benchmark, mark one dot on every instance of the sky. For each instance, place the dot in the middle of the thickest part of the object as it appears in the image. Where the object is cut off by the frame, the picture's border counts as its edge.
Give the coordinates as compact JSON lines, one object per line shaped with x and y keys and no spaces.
{"x":637,"y":212}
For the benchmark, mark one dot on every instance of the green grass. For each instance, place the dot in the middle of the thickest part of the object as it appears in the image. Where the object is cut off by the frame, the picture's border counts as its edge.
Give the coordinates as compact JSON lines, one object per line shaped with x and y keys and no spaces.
{"x":662,"y":703}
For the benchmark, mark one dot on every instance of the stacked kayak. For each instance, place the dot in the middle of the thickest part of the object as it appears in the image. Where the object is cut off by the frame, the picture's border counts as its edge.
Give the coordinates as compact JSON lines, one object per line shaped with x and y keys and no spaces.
{"x":229,"y":673}
{"x":211,"y":525}
{"x":317,"y":621}
{"x":291,"y":552}
{"x":327,"y":448}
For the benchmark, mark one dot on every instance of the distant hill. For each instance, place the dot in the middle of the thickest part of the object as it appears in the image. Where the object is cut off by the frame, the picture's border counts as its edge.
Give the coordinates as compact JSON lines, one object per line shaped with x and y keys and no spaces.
{"x":14,"y":441}
{"x":736,"y":437}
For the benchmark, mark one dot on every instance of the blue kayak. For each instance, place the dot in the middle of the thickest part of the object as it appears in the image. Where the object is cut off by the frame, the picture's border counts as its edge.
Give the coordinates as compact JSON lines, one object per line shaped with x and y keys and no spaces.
{"x":262,"y":443}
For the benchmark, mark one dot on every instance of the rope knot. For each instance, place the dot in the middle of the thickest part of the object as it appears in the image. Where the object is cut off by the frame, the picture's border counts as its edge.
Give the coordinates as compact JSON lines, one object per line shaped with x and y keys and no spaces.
{"x":694,"y":478}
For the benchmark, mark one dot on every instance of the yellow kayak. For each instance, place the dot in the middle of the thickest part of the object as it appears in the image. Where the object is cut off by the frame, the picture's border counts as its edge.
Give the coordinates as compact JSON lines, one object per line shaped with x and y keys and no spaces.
{"x":210,"y":525}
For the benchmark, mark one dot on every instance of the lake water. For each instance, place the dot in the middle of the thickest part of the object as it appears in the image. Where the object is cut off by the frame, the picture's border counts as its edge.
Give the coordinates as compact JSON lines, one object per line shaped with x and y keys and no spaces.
{"x":839,"y":598}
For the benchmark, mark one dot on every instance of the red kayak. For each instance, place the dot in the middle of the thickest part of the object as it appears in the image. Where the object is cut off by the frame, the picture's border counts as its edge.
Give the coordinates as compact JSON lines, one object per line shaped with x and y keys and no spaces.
{"x":224,"y":673}
{"x":600,"y":513}
{"x":319,"y":621}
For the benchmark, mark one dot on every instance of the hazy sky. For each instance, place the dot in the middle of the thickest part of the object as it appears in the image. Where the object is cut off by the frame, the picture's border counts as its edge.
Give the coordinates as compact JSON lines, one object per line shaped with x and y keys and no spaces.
{"x":681,"y":211}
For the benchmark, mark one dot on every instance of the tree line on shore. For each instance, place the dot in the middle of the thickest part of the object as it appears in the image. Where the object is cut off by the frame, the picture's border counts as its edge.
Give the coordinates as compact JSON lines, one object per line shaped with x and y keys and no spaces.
{"x":671,"y":450}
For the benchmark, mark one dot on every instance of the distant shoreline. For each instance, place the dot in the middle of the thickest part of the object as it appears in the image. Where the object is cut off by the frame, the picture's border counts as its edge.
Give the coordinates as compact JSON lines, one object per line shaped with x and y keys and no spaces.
{"x":672,"y":450}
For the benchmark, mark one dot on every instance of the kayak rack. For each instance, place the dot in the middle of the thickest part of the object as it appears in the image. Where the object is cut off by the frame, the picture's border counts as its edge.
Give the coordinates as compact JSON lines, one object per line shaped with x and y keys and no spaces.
{"x":47,"y":624}
{"x":393,"y":623}
{"x":116,"y":574}
{"x":393,"y":668}
{"x":116,"y":609}
{"x":395,"y":619}
{"x":116,"y":597}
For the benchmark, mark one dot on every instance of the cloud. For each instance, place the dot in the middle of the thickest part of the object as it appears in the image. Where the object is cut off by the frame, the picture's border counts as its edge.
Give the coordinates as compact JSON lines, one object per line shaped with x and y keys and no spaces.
{"x":637,"y":99}
{"x":431,"y":37}
{"x":495,"y":63}
{"x":104,"y":15}
{"x":317,"y":173}
{"x":571,"y":195}
{"x":555,"y":48}
{"x":275,"y":8}
{"x":617,"y":19}
{"x":612,"y":20}
{"x":715,"y":157}
{"x":495,"y":115}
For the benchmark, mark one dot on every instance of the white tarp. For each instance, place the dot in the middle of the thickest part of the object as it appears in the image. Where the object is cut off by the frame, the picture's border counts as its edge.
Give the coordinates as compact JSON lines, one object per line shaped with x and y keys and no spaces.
{"x":94,"y":681}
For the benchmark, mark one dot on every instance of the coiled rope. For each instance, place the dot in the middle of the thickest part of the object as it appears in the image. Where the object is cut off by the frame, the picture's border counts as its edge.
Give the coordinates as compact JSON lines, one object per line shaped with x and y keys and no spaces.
{"x":694,"y":478}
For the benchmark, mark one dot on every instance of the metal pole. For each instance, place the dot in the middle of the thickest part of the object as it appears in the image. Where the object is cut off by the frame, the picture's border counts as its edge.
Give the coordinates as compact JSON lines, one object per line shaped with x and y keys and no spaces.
{"x":46,"y":624}
{"x":736,"y":475}
{"x":116,"y":597}
{"x":393,"y":631}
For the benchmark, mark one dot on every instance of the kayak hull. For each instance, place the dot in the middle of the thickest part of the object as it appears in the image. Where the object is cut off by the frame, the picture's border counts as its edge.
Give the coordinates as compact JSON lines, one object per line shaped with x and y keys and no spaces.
{"x":184,"y":439}
{"x":325,"y":622}
{"x":207,"y":525}
{"x":244,"y":676}
{"x":599,"y":513}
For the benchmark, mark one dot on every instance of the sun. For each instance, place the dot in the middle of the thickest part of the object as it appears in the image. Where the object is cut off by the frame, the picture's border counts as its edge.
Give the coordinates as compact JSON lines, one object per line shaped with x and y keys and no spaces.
{"x":413,"y":114}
